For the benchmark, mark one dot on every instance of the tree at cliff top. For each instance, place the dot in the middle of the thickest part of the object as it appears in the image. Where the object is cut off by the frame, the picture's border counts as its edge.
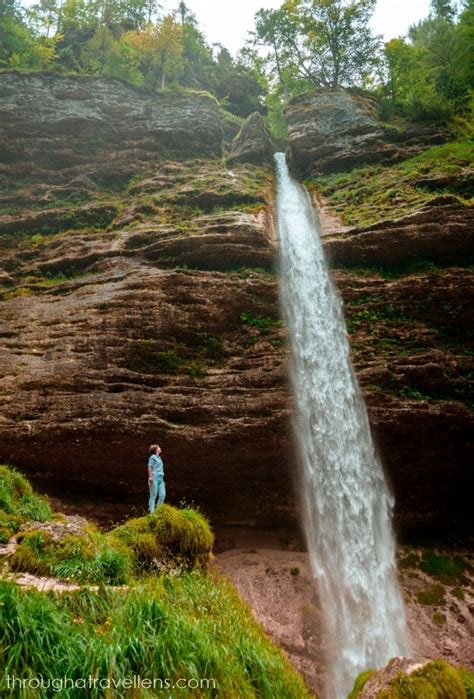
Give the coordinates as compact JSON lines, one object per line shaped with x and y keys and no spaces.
{"x":19,"y":45}
{"x":156,"y":51}
{"x":320,"y":43}
{"x":430,"y":74}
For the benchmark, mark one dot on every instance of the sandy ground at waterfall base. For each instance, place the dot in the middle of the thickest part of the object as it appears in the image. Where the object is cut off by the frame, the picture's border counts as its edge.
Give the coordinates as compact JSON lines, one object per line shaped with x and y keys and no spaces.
{"x":280,"y":588}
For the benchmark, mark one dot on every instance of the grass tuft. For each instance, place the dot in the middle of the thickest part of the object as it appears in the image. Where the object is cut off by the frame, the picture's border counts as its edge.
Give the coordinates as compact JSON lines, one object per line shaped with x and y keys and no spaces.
{"x":18,"y":502}
{"x":182,"y":537}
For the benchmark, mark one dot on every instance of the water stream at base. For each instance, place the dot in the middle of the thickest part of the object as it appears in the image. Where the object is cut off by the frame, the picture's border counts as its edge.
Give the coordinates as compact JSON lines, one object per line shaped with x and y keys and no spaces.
{"x":347,"y":505}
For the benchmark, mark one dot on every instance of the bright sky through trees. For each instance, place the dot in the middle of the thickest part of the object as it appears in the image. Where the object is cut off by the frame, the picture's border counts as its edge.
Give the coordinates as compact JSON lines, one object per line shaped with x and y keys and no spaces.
{"x":228,"y":21}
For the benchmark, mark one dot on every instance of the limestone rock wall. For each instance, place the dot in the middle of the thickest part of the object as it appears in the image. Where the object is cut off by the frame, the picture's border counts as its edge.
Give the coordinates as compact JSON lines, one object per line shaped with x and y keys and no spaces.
{"x":334,"y":130}
{"x":139,"y":303}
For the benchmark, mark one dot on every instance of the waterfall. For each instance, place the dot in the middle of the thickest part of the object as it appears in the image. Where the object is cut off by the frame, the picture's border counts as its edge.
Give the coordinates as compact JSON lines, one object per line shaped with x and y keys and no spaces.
{"x":346,"y":502}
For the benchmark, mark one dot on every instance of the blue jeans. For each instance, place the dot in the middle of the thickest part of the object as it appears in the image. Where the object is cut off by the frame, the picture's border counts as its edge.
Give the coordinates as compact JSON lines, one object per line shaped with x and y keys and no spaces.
{"x":157,"y":490}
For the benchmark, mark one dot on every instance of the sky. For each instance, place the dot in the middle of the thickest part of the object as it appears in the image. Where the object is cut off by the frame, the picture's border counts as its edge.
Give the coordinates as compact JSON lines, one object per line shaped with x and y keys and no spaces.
{"x":228,"y":21}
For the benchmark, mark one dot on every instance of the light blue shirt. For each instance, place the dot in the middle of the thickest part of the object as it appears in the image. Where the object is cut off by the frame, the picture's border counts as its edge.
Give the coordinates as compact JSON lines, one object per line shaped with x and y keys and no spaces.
{"x":156,"y":464}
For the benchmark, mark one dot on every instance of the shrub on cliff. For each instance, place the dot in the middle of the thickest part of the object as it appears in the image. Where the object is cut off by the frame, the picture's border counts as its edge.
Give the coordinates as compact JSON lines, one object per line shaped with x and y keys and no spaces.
{"x":18,"y":503}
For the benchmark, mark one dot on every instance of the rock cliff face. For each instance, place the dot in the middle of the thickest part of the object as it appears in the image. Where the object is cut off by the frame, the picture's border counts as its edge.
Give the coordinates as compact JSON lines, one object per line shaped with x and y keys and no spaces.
{"x":334,"y":130}
{"x":139,"y":304}
{"x":58,"y":126}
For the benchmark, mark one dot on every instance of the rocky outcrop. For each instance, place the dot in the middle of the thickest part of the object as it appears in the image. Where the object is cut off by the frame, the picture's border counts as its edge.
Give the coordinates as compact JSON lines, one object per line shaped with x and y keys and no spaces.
{"x":413,"y":676}
{"x":55,"y":127}
{"x":442,"y":232}
{"x":334,"y":130}
{"x":253,"y":143}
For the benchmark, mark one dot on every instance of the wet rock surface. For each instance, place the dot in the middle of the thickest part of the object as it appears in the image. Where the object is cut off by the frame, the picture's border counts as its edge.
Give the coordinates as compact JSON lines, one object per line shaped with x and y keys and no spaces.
{"x":442,"y":232}
{"x":57,"y":126}
{"x":139,"y":303}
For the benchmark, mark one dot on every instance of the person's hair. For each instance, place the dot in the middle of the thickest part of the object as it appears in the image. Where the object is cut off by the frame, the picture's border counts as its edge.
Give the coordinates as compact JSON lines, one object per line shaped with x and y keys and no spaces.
{"x":153,"y":448}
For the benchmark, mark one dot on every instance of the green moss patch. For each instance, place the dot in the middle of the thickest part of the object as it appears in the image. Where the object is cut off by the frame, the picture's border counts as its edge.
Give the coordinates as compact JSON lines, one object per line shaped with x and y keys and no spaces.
{"x":370,"y":194}
{"x":171,"y":539}
{"x":449,"y":569}
{"x":145,"y":356}
{"x":432,"y":596}
{"x":467,"y":678}
{"x":436,"y":680}
{"x":181,"y":536}
{"x":360,"y":683}
{"x":90,"y":557}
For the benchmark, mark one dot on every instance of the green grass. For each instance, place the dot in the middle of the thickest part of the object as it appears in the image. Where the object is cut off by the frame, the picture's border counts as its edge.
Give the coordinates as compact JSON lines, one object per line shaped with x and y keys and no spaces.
{"x":90,"y":557}
{"x":170,"y":539}
{"x":448,"y":569}
{"x":163,"y":624}
{"x":467,"y":679}
{"x":178,"y":540}
{"x":18,"y":503}
{"x":372,"y":193}
{"x":407,"y":269}
{"x":360,"y":682}
{"x":263,"y":323}
{"x":182,"y":537}
{"x":434,"y":596}
{"x":146,"y":358}
{"x":192,"y":626}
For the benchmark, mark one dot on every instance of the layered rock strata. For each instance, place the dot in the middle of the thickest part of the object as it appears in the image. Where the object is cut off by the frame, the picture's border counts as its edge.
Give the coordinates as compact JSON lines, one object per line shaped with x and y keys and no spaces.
{"x":139,"y":303}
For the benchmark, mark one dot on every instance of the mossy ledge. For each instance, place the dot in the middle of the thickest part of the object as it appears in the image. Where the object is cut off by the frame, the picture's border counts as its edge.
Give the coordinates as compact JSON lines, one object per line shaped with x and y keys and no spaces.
{"x":434,"y":680}
{"x":168,"y":620}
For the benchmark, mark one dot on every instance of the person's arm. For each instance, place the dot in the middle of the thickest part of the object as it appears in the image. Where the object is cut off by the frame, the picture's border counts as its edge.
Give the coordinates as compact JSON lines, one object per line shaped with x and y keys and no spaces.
{"x":150,"y":472}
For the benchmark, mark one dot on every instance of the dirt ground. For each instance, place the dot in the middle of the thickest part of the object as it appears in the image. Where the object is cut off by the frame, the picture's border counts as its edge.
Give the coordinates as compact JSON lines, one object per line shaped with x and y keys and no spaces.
{"x":280,"y":588}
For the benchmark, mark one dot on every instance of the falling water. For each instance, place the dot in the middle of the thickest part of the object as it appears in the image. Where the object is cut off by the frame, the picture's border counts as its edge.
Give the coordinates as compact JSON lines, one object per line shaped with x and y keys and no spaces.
{"x":347,"y":504}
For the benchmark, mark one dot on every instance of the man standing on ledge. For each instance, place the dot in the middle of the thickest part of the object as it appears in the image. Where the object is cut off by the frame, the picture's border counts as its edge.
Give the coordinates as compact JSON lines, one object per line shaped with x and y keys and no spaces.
{"x":156,"y":477}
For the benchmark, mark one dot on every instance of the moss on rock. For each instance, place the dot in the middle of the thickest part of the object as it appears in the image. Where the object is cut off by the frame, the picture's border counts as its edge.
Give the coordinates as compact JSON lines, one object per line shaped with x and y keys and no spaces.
{"x":435,"y":680}
{"x":360,"y":683}
{"x":175,"y":539}
{"x":182,"y":537}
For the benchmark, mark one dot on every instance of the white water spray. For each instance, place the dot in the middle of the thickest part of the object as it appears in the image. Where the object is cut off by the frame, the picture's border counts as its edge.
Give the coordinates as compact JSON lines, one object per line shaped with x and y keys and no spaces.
{"x":347,"y":504}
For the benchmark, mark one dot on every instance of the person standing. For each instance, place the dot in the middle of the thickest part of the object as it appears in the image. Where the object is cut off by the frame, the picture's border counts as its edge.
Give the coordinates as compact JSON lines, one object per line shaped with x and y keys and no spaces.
{"x":156,"y":477}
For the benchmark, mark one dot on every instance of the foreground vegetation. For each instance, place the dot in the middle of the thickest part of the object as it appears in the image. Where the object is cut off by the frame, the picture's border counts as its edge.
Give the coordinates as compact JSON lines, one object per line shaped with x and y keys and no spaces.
{"x":152,"y":612}
{"x":189,"y":626}
{"x":19,"y":504}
